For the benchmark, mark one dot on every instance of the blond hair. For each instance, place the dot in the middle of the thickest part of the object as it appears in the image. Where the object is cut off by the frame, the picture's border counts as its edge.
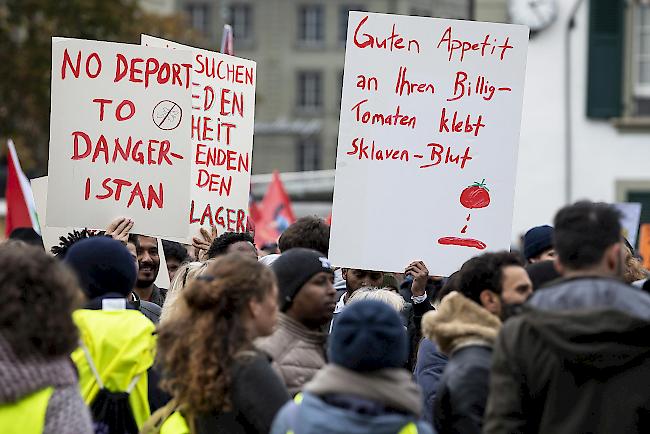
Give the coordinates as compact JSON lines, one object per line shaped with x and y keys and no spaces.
{"x":185,"y":275}
{"x":384,"y":295}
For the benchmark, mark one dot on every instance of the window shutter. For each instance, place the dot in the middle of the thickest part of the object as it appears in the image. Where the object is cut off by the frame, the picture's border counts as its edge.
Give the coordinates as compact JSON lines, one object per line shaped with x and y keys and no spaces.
{"x":605,"y":67}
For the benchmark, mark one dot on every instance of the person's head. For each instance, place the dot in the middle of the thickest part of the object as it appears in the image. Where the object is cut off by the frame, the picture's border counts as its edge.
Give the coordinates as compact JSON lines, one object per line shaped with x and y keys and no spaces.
{"x":307,"y":232}
{"x":385,"y":295}
{"x":448,"y":287}
{"x":390,"y":282}
{"x":185,"y":275}
{"x":538,"y":244}
{"x":39,"y":295}
{"x":369,"y":336}
{"x":148,"y":261}
{"x":67,"y":241}
{"x":541,"y":273}
{"x":219,"y":314}
{"x":103,"y":265}
{"x":588,"y":240}
{"x":306,"y":284}
{"x":233,"y":242}
{"x":175,"y":255}
{"x":27,"y":235}
{"x":355,"y":279}
{"x":496,"y":281}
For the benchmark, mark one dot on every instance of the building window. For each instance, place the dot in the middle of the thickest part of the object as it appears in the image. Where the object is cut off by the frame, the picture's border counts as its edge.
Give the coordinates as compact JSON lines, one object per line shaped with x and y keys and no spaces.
{"x":641,"y":59}
{"x":311,"y":26}
{"x":310,"y":90}
{"x":344,"y":13}
{"x":199,"y":16}
{"x":308,"y":152}
{"x":241,"y":16}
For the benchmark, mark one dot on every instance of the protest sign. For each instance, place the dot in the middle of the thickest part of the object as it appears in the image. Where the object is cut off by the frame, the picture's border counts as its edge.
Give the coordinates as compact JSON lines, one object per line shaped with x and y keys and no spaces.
{"x":428,"y":139}
{"x":630,"y":217}
{"x":119,"y":130}
{"x":223,"y":109}
{"x":50,"y":235}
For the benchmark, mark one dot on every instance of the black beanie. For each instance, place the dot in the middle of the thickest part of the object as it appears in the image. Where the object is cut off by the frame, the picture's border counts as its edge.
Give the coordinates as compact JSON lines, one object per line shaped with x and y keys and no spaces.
{"x":368,"y":336}
{"x":102,"y":265}
{"x":294,"y":268}
{"x":537,"y":240}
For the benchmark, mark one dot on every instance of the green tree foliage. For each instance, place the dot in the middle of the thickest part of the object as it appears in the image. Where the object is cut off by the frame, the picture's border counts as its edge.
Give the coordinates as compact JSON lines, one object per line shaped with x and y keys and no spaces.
{"x":26,"y":31}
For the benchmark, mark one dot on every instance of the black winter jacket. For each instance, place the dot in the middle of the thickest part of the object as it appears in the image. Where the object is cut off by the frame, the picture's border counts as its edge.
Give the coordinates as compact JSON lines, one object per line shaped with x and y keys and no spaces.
{"x":564,"y":367}
{"x":257,"y":394}
{"x":463,"y":391}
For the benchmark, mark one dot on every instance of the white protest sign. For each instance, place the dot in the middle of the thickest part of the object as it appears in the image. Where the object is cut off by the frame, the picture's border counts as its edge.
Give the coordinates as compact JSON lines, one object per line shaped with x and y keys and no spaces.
{"x":119,"y":131}
{"x":630,"y":217}
{"x":50,"y":235}
{"x":223,"y":111}
{"x":428,"y":139}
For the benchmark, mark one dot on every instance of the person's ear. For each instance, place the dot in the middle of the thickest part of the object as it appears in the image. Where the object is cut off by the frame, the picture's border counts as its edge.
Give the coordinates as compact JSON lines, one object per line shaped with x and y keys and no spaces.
{"x":254,"y":307}
{"x":490,"y":301}
{"x":614,"y":257}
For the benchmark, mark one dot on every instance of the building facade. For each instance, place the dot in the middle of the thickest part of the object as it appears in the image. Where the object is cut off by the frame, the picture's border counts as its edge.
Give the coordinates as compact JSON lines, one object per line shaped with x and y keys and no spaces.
{"x":299,"y":47}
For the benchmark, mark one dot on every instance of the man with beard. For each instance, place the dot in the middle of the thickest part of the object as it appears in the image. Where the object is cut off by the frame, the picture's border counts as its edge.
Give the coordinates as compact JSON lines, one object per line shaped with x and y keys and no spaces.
{"x":577,"y":359}
{"x":465,"y":327}
{"x":148,"y":264}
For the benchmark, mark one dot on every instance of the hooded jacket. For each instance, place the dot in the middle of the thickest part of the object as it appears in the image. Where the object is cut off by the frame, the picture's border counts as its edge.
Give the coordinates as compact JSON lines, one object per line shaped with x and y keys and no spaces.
{"x":341,"y":401}
{"x":65,"y":412}
{"x":465,"y":332}
{"x":297,"y":352}
{"x":571,"y":371}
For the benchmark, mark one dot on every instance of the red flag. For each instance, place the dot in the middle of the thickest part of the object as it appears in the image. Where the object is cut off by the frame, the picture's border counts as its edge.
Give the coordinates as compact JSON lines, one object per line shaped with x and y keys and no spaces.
{"x":227,"y":41}
{"x":21,"y":211}
{"x":274,"y":214}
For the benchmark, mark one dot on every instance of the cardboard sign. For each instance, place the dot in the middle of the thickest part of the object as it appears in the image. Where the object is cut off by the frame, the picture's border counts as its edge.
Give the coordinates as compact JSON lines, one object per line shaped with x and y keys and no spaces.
{"x":50,"y":235}
{"x":630,"y":217}
{"x":223,"y":109}
{"x":119,"y":130}
{"x":428,"y":139}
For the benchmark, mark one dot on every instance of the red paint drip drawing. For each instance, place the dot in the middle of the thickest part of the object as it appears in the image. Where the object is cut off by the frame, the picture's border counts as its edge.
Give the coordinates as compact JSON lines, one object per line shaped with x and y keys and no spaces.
{"x":463,"y":242}
{"x":462,"y":231}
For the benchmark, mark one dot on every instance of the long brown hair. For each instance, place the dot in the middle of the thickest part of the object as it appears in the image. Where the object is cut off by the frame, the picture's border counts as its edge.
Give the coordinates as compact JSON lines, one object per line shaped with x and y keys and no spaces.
{"x":198,"y":345}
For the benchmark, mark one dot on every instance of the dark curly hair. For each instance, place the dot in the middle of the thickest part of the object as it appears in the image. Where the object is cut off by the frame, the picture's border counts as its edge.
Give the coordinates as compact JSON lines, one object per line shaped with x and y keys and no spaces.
{"x":67,"y":241}
{"x":39,"y":295}
{"x":175,"y":250}
{"x":220,"y":244}
{"x":308,"y":232}
{"x":199,"y":344}
{"x":484,"y":272}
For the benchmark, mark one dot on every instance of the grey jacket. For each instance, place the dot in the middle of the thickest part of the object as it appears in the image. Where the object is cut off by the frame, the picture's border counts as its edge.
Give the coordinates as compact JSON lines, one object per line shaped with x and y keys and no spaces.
{"x":66,"y":412}
{"x":297,"y":352}
{"x":592,"y":293}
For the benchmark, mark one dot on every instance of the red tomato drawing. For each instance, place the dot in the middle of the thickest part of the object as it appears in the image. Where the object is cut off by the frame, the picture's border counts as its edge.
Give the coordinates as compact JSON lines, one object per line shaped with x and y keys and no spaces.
{"x":475,"y":196}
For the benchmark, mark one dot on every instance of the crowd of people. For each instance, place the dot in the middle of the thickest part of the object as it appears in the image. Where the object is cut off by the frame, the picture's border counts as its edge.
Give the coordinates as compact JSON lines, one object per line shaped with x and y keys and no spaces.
{"x":552,"y":338}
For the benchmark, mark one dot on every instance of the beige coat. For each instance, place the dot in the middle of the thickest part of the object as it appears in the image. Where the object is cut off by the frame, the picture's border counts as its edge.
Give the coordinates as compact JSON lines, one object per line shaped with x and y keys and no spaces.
{"x":297,"y":352}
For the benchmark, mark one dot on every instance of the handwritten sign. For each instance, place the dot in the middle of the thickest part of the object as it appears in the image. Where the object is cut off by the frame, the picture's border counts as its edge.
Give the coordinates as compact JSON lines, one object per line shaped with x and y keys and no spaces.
{"x":223,"y":109}
{"x":427,"y":151}
{"x":630,"y":217}
{"x":119,"y":130}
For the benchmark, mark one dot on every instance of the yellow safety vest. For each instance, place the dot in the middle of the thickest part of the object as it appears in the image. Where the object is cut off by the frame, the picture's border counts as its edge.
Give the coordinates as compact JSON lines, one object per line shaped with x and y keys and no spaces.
{"x":26,"y":416}
{"x":409,"y":428}
{"x":122,"y":346}
{"x":175,"y":424}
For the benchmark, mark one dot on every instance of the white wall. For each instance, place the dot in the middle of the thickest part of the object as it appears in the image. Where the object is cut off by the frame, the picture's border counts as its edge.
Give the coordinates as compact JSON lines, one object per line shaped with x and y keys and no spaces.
{"x":601,"y":153}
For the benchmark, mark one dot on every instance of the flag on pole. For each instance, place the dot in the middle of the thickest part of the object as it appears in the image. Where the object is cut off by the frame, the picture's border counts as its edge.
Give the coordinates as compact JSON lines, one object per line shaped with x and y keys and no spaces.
{"x":227,"y":41}
{"x":21,"y":210}
{"x":275,"y":213}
